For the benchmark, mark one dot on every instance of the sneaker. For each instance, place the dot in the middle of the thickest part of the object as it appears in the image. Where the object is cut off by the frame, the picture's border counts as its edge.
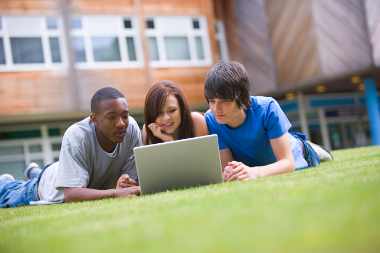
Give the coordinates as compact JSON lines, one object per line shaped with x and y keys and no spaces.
{"x":28,"y":168}
{"x":7,"y":176}
{"x":322,"y":152}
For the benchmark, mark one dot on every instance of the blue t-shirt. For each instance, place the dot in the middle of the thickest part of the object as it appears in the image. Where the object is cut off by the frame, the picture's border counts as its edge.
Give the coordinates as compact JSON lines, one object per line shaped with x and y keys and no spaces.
{"x":249,"y":142}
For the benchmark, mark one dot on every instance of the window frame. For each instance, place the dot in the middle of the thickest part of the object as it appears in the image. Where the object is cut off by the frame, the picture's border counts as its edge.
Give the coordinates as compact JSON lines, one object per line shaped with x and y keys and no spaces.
{"x":159,"y":32}
{"x":121,"y":33}
{"x":44,"y":34}
{"x":220,"y":37}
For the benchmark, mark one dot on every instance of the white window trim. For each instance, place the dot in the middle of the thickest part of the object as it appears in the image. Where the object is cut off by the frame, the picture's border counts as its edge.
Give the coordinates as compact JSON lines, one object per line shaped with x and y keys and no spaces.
{"x":44,"y":34}
{"x":220,"y":36}
{"x":27,"y":156}
{"x":191,"y":33}
{"x":121,"y":33}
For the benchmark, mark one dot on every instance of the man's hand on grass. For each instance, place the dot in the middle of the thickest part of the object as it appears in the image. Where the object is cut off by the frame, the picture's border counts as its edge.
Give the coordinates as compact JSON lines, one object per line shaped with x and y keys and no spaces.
{"x":127,"y":192}
{"x":226,"y":172}
{"x":125,"y":181}
{"x":240,"y":171}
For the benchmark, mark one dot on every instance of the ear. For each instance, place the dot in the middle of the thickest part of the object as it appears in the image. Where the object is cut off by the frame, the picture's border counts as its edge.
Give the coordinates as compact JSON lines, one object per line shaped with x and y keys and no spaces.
{"x":94,"y":118}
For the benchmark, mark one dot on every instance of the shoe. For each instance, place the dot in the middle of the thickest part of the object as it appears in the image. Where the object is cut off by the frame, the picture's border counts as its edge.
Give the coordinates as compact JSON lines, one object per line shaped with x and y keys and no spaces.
{"x":322,"y":152}
{"x":28,"y":168}
{"x":7,"y":176}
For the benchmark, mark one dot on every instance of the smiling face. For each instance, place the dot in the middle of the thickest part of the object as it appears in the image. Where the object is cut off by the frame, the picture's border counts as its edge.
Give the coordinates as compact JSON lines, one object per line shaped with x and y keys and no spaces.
{"x":111,"y":122}
{"x":227,"y":112}
{"x":170,"y":116}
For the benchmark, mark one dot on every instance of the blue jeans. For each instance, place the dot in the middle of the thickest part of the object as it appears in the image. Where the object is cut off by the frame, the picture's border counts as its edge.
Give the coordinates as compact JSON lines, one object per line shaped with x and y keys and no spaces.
{"x":15,"y":193}
{"x":309,"y":154}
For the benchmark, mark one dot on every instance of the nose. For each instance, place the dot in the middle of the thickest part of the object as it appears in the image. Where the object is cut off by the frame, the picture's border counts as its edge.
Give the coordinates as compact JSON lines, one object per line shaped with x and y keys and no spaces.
{"x":216,"y":106}
{"x":166,"y":117}
{"x":120,"y":122}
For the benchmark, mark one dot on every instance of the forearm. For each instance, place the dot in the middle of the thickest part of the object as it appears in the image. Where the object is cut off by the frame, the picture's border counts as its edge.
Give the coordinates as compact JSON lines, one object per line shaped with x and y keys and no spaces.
{"x":83,"y":194}
{"x":279,"y":167}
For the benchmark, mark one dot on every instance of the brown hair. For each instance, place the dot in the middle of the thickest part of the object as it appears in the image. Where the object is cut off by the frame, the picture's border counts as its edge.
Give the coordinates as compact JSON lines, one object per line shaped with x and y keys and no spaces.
{"x":228,"y":80}
{"x":154,"y":103}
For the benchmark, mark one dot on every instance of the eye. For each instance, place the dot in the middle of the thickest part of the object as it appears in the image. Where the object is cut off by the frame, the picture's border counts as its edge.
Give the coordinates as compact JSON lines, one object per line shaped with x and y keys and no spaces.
{"x":160,"y":113}
{"x":173,"y":110}
{"x":111,"y":118}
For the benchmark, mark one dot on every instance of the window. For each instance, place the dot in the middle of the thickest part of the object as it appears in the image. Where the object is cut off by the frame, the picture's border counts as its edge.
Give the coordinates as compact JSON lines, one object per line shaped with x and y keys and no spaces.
{"x":21,"y":145}
{"x":105,"y":42}
{"x":221,"y":39}
{"x":2,"y":55}
{"x":30,"y":43}
{"x":178,"y":41}
{"x":127,"y":23}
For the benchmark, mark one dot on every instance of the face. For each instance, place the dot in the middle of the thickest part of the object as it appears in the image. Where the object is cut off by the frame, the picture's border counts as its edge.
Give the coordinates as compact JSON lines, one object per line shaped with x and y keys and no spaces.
{"x":226,"y":112}
{"x":170,"y":116}
{"x":111,"y":121}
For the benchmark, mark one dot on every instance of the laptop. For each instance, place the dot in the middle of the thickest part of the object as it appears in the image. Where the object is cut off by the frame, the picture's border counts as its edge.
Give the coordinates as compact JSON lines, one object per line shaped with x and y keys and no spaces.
{"x":178,"y":164}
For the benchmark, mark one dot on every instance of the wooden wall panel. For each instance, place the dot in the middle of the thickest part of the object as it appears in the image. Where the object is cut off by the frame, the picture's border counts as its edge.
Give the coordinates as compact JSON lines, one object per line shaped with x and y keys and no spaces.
{"x":255,"y":44}
{"x":28,"y":7}
{"x":121,"y":7}
{"x":225,"y":10}
{"x":342,"y":37}
{"x":34,"y":92}
{"x":172,"y":7}
{"x":191,"y":80}
{"x":372,"y":8}
{"x":294,"y":48}
{"x":130,"y":82}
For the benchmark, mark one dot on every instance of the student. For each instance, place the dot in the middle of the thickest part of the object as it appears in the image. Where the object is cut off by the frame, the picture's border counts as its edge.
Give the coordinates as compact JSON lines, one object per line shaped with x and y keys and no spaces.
{"x":168,"y":117}
{"x":252,"y":130}
{"x":96,"y":160}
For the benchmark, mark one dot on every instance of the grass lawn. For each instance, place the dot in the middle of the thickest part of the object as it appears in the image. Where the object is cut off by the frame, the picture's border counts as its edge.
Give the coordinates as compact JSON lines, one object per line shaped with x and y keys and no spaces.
{"x":331,"y":208}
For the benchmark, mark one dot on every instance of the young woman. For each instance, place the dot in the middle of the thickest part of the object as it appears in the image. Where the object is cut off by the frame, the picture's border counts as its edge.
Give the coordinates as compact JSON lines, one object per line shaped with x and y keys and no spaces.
{"x":168,"y":117}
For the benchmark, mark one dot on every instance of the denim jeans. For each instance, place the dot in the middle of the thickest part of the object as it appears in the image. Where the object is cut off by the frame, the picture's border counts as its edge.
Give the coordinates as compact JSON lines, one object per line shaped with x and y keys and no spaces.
{"x":310,"y":155}
{"x":15,"y":193}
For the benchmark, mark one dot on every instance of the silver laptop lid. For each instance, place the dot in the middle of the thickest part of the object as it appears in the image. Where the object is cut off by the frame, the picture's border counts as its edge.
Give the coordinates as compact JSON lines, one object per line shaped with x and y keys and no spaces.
{"x":178,"y":164}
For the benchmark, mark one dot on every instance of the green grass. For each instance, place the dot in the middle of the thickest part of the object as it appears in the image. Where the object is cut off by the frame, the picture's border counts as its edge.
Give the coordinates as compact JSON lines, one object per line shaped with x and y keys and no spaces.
{"x":331,"y":208}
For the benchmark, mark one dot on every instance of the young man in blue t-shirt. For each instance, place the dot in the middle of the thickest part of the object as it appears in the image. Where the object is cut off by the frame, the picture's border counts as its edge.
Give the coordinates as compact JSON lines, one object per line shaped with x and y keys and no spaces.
{"x":253,"y":131}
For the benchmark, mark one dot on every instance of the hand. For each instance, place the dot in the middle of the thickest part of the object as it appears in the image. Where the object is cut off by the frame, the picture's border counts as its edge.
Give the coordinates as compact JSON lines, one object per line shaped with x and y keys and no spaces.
{"x":127,"y":192}
{"x":124,"y":182}
{"x":241,"y":172}
{"x":159,"y":132}
{"x":226,"y":172}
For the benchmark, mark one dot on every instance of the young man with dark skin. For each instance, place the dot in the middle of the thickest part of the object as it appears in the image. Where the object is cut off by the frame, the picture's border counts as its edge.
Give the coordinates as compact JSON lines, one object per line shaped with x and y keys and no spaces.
{"x":253,"y":131}
{"x":96,"y":160}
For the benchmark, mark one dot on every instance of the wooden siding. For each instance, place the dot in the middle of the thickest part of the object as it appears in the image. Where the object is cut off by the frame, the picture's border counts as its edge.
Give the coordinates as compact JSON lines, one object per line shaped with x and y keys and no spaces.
{"x":28,"y":7}
{"x":189,"y":79}
{"x":225,"y":11}
{"x":341,"y":35}
{"x":257,"y":57}
{"x":42,"y":92}
{"x":34,"y":92}
{"x":372,"y":8}
{"x":130,"y":82}
{"x":293,"y":44}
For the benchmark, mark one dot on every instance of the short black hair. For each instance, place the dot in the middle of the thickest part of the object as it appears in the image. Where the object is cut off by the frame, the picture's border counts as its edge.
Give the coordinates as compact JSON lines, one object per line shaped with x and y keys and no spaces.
{"x":104,"y":94}
{"x":228,"y":80}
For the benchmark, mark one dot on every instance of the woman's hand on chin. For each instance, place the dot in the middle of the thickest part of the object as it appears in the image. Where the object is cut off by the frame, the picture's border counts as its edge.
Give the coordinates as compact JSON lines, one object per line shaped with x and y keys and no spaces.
{"x":159,"y":132}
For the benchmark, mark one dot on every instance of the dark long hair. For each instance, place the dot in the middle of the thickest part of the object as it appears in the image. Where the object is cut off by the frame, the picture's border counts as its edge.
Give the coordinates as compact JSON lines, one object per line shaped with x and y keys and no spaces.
{"x":154,"y":103}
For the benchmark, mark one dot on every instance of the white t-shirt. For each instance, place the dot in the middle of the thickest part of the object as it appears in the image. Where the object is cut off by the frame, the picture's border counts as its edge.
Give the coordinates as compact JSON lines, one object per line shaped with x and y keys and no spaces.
{"x":84,"y":164}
